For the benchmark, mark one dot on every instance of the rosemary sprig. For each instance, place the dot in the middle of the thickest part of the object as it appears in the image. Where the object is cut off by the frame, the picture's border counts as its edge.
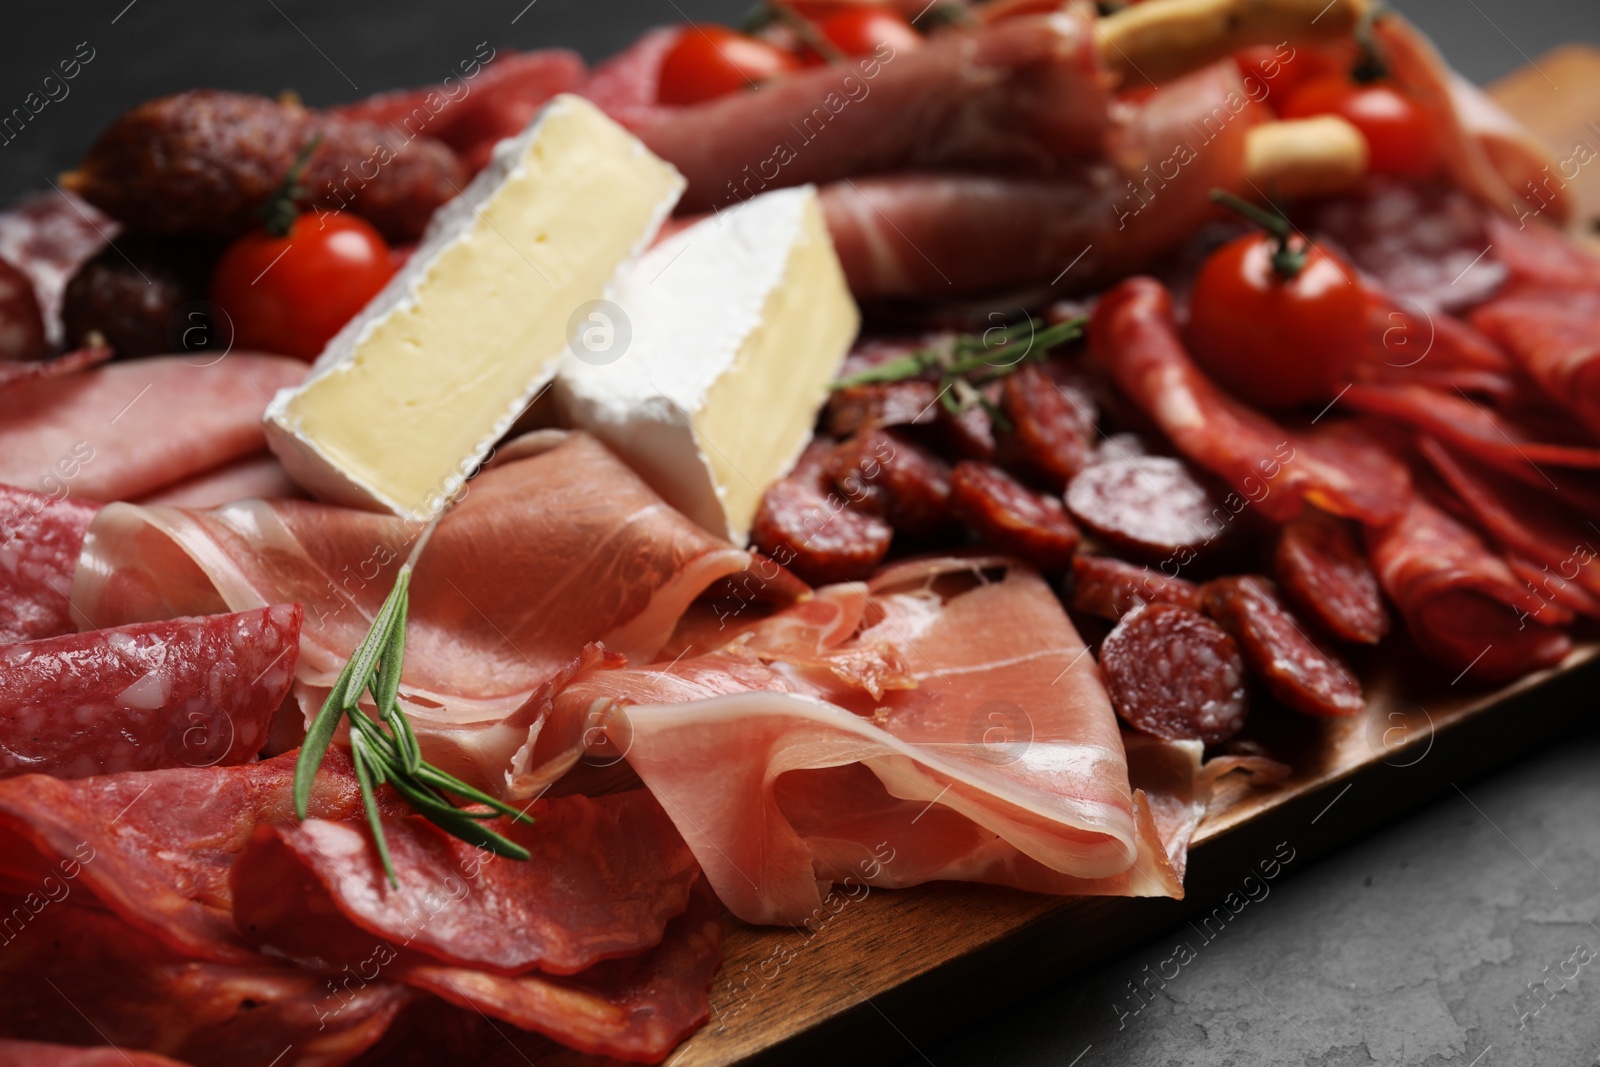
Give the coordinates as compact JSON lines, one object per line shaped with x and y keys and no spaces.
{"x":393,"y":756}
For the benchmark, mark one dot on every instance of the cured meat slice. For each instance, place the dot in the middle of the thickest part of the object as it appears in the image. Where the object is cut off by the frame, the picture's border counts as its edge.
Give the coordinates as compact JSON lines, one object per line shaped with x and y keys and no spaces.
{"x":627,"y":86}
{"x":40,"y":537}
{"x":56,"y":367}
{"x":1173,"y":674}
{"x":895,"y":477}
{"x":1278,"y":471}
{"x":637,"y":1008}
{"x":583,"y":549}
{"x":1002,"y":764}
{"x":154,"y":847}
{"x":807,"y":526}
{"x":1278,"y":651}
{"x":21,"y":324}
{"x":78,"y":975}
{"x":606,"y":876}
{"x":189,"y":692}
{"x":1324,"y":571}
{"x":35,"y":1054}
{"x":1149,"y":506}
{"x":1052,"y":427}
{"x":1462,"y":604}
{"x":1011,"y":518}
{"x":127,"y":429}
{"x":1555,"y":336}
{"x":1025,"y":94}
{"x":1109,"y":588}
{"x":1540,"y":256}
{"x":48,"y":237}
{"x":256,"y":477}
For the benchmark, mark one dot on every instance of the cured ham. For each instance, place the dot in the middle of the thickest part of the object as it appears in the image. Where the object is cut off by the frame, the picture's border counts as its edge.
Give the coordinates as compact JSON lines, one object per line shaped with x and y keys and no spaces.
{"x":1027,"y":94}
{"x":1462,"y":604}
{"x":1132,"y":335}
{"x":40,"y":537}
{"x":126,"y":429}
{"x":583,"y":549}
{"x":196,"y":692}
{"x":1555,"y":336}
{"x":259,"y":476}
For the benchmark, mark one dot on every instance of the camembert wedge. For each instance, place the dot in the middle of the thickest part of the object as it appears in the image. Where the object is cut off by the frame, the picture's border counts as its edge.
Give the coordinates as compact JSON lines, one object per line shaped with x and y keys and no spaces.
{"x":411,"y":395}
{"x":737,"y":325}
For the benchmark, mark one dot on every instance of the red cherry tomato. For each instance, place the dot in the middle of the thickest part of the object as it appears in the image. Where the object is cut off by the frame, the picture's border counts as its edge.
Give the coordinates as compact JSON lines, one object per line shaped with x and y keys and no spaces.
{"x":1270,"y":340}
{"x":860,"y":30}
{"x":291,"y":294}
{"x":1399,"y":133}
{"x":1280,"y":69}
{"x":708,"y":61}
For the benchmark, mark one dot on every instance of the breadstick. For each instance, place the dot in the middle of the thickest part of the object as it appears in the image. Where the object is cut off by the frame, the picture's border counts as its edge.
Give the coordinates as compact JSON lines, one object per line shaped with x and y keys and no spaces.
{"x":1161,"y":39}
{"x":1304,"y":157}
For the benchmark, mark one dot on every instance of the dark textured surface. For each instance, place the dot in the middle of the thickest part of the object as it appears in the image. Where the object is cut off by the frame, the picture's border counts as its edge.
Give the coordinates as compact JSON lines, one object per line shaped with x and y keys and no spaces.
{"x":1415,"y":947}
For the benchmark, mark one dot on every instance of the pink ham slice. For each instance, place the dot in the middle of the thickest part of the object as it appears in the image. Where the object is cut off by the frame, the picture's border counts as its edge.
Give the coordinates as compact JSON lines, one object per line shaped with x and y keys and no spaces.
{"x":1026,"y":94}
{"x":1004,"y":764}
{"x":582,"y":551}
{"x":256,"y":477}
{"x":40,"y":537}
{"x":127,"y":429}
{"x":185,"y":692}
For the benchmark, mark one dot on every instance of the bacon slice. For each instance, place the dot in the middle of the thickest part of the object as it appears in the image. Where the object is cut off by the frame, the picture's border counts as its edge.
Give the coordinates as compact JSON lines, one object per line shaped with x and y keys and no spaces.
{"x":189,"y":692}
{"x":1026,"y":94}
{"x":584,"y":551}
{"x":40,"y":537}
{"x":1462,"y":604}
{"x":1133,"y":336}
{"x":606,"y":876}
{"x":1555,"y":337}
{"x":127,"y":429}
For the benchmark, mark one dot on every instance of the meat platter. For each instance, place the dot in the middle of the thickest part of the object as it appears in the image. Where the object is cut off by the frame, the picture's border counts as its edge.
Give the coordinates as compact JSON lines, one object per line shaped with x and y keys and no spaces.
{"x":748,"y":548}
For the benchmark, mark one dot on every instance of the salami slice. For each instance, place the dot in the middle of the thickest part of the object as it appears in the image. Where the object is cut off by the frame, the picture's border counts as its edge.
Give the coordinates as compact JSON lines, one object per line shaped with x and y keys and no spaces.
{"x":1324,"y":571}
{"x":899,"y":479}
{"x":1012,"y":518}
{"x":186,"y":692}
{"x":1109,"y":588}
{"x":1174,"y":673}
{"x":864,"y":407}
{"x":1555,"y":337}
{"x":40,"y":537}
{"x":1278,"y":651}
{"x":1052,"y":427}
{"x":811,"y":529}
{"x":1150,"y":506}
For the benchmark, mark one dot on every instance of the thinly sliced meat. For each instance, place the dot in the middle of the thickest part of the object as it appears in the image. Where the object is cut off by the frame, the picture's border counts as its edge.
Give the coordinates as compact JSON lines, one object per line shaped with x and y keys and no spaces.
{"x":146,"y":696}
{"x":257,"y":477}
{"x":127,"y":429}
{"x":1462,"y":604}
{"x":1278,"y":471}
{"x":894,"y":477}
{"x":40,"y":537}
{"x":926,"y":233}
{"x":1564,"y":600}
{"x":1004,"y":764}
{"x":1172,"y":673}
{"x":1027,"y":94}
{"x":1324,"y":570}
{"x":1109,"y":588}
{"x":154,"y":847}
{"x":606,"y":876}
{"x":48,"y":237}
{"x":1522,"y":159}
{"x":1470,"y":426}
{"x":504,"y":98}
{"x":35,"y":1054}
{"x":1521,"y":519}
{"x":78,"y":975}
{"x":637,"y":1008}
{"x":1540,"y":256}
{"x":1052,"y":426}
{"x":627,"y":86}
{"x":1555,"y":337}
{"x":56,"y":367}
{"x":1278,"y":651}
{"x":583,"y":551}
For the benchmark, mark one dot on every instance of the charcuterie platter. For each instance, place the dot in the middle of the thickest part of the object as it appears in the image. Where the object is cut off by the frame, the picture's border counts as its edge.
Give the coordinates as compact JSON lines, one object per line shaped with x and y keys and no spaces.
{"x":704,"y":556}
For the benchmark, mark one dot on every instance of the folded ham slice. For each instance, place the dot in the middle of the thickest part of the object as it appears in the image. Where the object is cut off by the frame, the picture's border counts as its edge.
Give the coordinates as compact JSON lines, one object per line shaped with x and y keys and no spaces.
{"x":545,"y":554}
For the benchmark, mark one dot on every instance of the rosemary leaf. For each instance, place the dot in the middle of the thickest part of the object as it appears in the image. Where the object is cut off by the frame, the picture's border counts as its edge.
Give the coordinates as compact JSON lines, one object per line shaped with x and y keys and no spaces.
{"x":370,"y":801}
{"x":459,"y":823}
{"x":366,"y":654}
{"x":440,"y":780}
{"x":318,"y":738}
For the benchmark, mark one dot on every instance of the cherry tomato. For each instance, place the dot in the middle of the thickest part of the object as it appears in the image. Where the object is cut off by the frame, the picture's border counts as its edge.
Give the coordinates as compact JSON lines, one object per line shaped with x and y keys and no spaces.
{"x":1270,"y":340}
{"x":708,"y":61}
{"x":1281,"y":69}
{"x":290,"y":294}
{"x":1399,"y":133}
{"x":860,"y":30}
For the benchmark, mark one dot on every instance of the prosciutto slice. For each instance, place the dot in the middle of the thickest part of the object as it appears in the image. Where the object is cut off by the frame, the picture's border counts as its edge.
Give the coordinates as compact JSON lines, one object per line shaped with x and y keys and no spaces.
{"x":581,"y":551}
{"x":1132,"y":335}
{"x":40,"y":537}
{"x":1462,"y":604}
{"x":1026,"y":94}
{"x":256,"y":477}
{"x":126,"y":429}
{"x":186,"y":692}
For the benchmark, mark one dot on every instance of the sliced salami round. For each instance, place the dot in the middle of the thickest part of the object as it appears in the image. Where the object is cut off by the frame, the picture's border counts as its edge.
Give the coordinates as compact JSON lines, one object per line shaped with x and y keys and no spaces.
{"x":1012,"y":518}
{"x":1172,"y":673}
{"x":1278,"y":650}
{"x":1110,"y":588}
{"x":1151,"y":506}
{"x":1324,"y":572}
{"x":811,"y":529}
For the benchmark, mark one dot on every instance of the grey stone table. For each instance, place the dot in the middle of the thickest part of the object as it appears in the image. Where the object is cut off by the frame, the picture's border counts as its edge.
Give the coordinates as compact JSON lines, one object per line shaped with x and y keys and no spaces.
{"x":1465,"y":934}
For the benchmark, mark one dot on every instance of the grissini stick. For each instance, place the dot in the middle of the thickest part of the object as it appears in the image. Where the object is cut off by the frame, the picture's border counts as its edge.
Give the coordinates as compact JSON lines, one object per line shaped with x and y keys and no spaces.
{"x":1161,"y":39}
{"x":1303,"y":157}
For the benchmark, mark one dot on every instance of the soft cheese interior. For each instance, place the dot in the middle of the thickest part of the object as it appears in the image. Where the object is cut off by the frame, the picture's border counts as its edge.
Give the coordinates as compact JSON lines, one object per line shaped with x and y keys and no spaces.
{"x":738,"y":324}
{"x":412,"y":394}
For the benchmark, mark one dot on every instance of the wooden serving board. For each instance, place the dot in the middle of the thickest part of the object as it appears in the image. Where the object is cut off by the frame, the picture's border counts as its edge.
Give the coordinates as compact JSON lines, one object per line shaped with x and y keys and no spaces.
{"x":901,"y":967}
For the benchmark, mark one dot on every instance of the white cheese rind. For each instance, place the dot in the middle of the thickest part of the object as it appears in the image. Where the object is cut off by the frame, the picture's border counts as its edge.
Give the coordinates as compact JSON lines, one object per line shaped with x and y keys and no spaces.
{"x":738,"y":323}
{"x":407,"y":400}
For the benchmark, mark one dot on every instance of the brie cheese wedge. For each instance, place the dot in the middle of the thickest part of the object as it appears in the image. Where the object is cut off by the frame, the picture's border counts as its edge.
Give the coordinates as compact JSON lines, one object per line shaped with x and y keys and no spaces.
{"x":736,"y":325}
{"x":409,"y":398}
